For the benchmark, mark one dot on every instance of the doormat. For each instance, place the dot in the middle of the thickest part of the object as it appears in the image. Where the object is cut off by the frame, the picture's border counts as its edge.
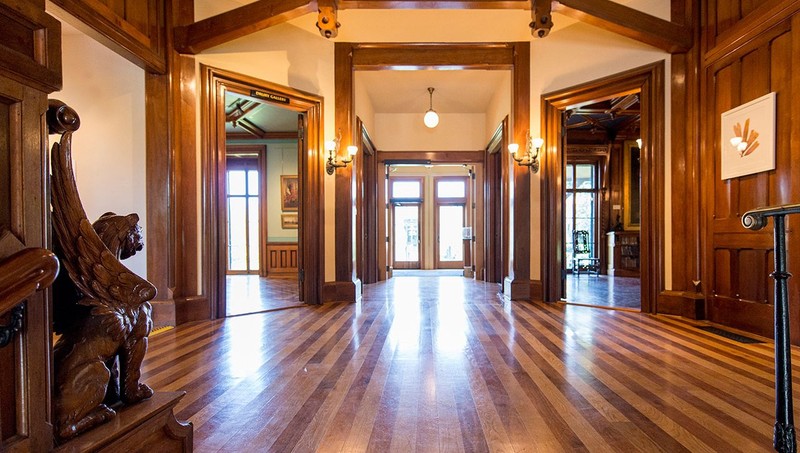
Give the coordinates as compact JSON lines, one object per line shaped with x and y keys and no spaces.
{"x":729,"y":335}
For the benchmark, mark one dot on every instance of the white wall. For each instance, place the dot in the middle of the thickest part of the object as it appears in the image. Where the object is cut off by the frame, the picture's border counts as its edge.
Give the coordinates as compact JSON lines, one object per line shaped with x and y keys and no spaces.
{"x":107,"y":91}
{"x":499,"y":107}
{"x":281,"y":160}
{"x":364,"y":108}
{"x":407,"y":132}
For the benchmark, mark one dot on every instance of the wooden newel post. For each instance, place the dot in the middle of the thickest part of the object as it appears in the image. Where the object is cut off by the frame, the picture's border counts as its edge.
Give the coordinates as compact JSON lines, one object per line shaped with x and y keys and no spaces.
{"x":783,"y":439}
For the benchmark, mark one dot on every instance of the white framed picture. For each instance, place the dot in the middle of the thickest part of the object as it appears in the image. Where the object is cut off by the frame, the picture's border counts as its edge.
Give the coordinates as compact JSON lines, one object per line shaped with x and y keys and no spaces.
{"x":747,"y":141}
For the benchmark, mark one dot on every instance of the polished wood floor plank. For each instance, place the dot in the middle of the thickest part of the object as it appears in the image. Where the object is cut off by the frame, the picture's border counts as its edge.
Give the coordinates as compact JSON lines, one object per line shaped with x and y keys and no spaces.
{"x":443,"y":364}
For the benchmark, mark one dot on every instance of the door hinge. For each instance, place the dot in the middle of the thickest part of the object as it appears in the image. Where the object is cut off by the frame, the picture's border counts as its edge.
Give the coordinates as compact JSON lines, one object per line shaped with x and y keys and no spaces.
{"x":472,"y":174}
{"x":387,"y":238}
{"x":301,"y":274}
{"x":387,"y":268}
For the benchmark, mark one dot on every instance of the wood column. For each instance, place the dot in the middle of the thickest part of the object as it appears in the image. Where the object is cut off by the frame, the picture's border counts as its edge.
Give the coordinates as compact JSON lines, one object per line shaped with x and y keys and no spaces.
{"x":346,"y":288}
{"x":517,"y":283}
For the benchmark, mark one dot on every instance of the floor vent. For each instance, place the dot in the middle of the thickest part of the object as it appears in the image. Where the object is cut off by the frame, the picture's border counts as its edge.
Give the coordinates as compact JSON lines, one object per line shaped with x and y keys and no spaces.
{"x":729,"y":335}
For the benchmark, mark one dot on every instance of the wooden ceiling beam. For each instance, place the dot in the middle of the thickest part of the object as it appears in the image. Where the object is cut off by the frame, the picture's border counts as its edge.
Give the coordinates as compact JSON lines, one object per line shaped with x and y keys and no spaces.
{"x":628,"y":22}
{"x":239,"y":22}
{"x":240,"y":110}
{"x":248,"y":126}
{"x":412,"y":4}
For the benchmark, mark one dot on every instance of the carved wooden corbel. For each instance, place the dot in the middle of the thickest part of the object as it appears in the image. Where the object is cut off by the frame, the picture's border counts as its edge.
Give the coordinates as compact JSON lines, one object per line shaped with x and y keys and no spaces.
{"x":541,"y":19}
{"x":327,"y":22}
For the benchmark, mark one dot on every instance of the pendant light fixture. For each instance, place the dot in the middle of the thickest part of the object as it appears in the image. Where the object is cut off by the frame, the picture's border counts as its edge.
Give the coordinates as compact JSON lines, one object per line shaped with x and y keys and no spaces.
{"x":431,"y":118}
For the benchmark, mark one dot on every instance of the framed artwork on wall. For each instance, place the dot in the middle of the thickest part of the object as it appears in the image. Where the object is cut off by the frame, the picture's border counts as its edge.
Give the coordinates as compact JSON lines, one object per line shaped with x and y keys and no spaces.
{"x":747,"y":139}
{"x":290,"y":192}
{"x":289,"y":221}
{"x":631,"y":186}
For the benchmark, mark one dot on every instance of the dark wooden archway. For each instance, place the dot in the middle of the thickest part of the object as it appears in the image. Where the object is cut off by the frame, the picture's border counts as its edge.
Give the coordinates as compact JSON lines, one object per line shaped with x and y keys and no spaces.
{"x":649,"y":81}
{"x":311,"y":213}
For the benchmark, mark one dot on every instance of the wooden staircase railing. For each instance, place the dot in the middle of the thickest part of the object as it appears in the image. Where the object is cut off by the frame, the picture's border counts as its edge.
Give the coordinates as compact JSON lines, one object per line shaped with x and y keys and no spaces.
{"x":21,"y":275}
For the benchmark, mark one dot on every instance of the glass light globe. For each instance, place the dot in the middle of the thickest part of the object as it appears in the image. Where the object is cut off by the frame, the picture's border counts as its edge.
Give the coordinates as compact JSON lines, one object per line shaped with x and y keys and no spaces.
{"x":431,"y":119}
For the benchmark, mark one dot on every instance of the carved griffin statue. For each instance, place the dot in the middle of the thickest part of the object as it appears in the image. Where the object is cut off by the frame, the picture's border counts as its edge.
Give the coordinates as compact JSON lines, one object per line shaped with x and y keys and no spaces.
{"x":101,"y":309}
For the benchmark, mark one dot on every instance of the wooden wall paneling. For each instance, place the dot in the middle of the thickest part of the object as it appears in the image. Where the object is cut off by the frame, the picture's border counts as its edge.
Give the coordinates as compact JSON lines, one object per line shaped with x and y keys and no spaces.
{"x":135,"y":30}
{"x":30,"y":68}
{"x":757,"y":65}
{"x":281,"y":258}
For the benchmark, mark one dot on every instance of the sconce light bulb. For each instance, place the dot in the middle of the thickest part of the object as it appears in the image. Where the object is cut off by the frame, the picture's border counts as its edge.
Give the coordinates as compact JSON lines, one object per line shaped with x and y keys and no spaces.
{"x":639,"y":142}
{"x":538,"y":142}
{"x":742,"y":146}
{"x":513,"y":148}
{"x":330,"y":145}
{"x":736,"y":141}
{"x":352,"y":150}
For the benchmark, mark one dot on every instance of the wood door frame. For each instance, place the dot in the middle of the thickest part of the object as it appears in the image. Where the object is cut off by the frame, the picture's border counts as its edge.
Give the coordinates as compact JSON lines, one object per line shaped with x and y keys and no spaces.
{"x":513,"y":56}
{"x":496,"y":213}
{"x":649,"y":81}
{"x":311,"y":237}
{"x":261,"y":151}
{"x":366,"y":167}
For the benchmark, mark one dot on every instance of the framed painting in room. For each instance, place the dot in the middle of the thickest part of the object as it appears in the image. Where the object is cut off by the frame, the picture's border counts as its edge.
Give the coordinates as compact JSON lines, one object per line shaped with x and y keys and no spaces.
{"x":290,"y":193}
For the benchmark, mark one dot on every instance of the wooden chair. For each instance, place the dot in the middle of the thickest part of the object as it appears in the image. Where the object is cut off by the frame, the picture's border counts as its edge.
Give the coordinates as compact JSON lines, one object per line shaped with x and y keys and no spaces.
{"x":582,"y":257}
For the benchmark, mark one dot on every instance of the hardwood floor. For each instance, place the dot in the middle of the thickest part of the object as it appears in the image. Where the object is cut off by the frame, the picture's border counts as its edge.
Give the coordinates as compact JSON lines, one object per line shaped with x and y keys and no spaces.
{"x":253,"y":294}
{"x":604,"y":291}
{"x":443,"y":364}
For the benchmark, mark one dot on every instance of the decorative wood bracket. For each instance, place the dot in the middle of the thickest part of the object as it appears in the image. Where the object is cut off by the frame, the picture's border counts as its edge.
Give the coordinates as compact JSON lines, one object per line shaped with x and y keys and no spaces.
{"x":327,"y":22}
{"x":541,"y":19}
{"x":7,"y":331}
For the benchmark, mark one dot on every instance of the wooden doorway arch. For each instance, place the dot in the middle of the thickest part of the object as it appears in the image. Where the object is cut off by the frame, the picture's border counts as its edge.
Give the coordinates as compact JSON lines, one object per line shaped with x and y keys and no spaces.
{"x":649,"y":81}
{"x":311,"y":244}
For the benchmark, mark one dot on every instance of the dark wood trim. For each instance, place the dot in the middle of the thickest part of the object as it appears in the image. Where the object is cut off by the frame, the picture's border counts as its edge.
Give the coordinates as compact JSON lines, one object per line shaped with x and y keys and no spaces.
{"x":338,"y":292}
{"x":190,"y":309}
{"x":434,"y":157}
{"x":496,"y":205}
{"x":96,"y":19}
{"x":669,"y":36}
{"x":688,"y":304}
{"x":280,"y":135}
{"x":763,"y":19}
{"x":24,"y":273}
{"x":439,"y":4}
{"x":537,"y":290}
{"x":371,"y":57}
{"x":519,"y":271}
{"x":366,"y":166}
{"x":238,"y":22}
{"x":41,"y":68}
{"x":649,"y":81}
{"x":344,"y":228}
{"x":311,"y":246}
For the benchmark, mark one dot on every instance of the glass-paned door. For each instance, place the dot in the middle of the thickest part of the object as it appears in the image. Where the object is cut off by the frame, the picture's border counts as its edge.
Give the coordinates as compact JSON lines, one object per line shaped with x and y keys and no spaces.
{"x":451,"y":201}
{"x":580,"y":206}
{"x":242,"y":192}
{"x":406,"y":248}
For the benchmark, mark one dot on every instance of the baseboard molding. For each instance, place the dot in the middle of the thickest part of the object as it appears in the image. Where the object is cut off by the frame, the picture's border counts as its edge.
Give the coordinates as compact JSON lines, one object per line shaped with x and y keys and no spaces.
{"x":190,"y":309}
{"x":163,"y":312}
{"x":340,"y":292}
{"x":537,"y":290}
{"x":682,"y":303}
{"x":517,"y":289}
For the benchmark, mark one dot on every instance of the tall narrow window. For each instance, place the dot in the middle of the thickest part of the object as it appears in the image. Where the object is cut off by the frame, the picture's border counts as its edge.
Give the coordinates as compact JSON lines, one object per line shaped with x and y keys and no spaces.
{"x":580,"y":207}
{"x":405,"y":196}
{"x":243,"y":215}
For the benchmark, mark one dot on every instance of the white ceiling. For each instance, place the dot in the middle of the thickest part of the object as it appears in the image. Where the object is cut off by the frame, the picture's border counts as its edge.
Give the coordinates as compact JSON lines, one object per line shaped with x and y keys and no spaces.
{"x":454,"y":91}
{"x":269,"y":117}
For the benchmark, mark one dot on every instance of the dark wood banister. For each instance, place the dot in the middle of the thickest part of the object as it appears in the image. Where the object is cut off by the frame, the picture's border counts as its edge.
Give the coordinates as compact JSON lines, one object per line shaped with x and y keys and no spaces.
{"x":24,"y":273}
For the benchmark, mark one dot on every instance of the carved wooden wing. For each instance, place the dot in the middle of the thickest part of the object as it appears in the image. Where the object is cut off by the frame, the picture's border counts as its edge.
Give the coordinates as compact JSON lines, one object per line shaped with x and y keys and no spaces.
{"x":105,"y":283}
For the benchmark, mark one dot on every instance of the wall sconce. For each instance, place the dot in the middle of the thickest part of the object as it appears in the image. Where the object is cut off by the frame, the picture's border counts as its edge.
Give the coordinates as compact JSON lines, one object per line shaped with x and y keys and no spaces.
{"x":334,"y":161}
{"x":531,"y":156}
